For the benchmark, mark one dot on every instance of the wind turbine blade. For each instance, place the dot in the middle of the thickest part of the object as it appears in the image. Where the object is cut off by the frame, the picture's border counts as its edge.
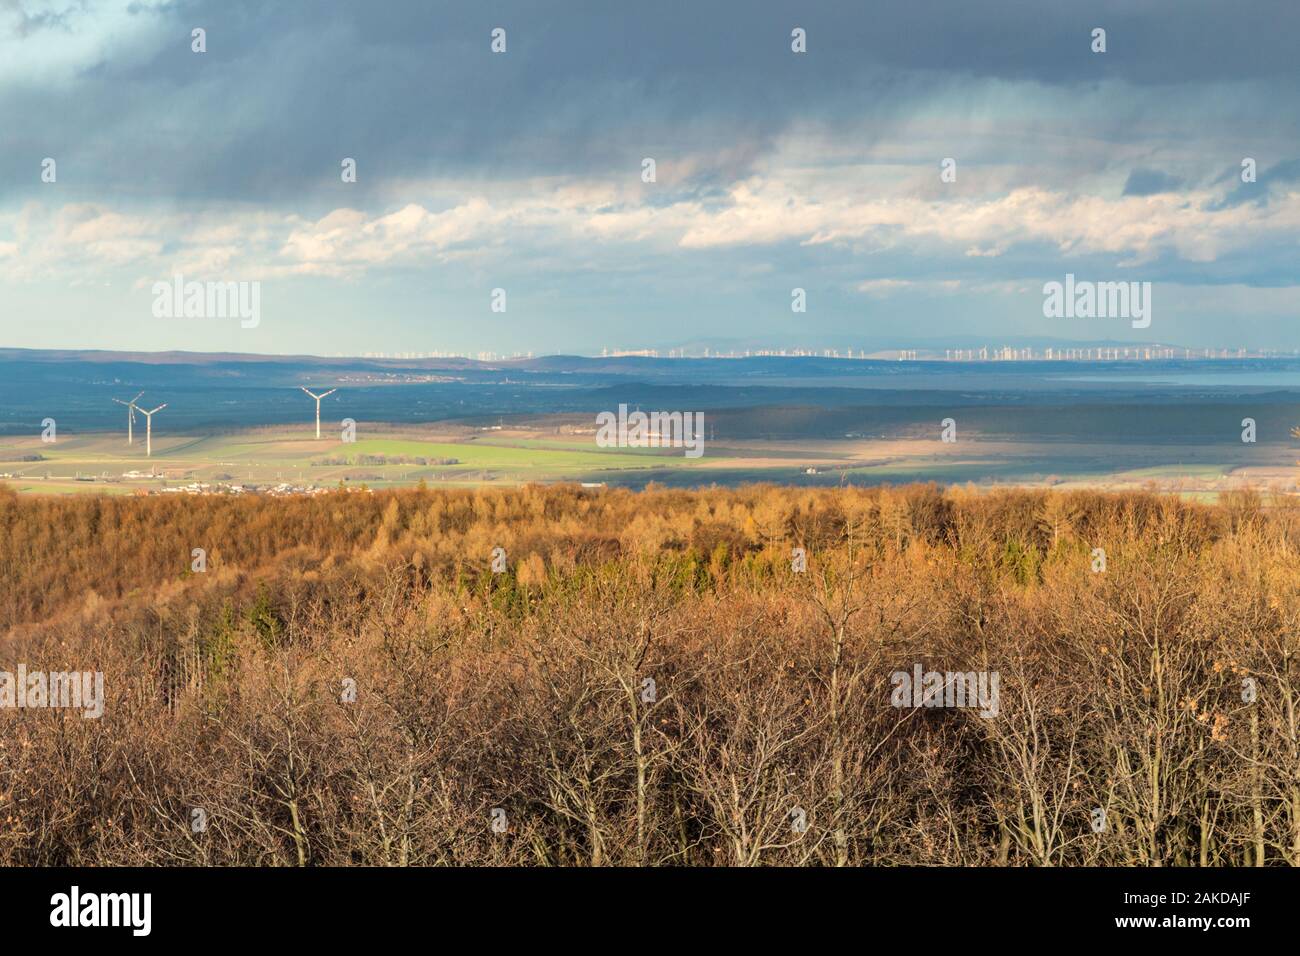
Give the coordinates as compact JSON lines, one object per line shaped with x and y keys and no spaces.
{"x":330,"y":392}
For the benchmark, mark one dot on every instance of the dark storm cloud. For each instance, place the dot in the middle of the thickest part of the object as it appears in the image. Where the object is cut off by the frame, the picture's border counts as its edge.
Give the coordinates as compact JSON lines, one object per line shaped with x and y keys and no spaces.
{"x":410,"y":89}
{"x":1150,"y":182}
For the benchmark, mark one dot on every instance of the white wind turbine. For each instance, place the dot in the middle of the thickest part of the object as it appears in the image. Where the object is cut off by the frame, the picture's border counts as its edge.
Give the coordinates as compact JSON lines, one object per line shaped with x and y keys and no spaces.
{"x":318,"y":398}
{"x":130,"y":417}
{"x":148,"y":430}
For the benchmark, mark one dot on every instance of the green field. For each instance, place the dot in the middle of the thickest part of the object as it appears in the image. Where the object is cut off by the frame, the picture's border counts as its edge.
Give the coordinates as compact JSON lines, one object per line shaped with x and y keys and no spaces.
{"x":452,"y":455}
{"x":268,"y":456}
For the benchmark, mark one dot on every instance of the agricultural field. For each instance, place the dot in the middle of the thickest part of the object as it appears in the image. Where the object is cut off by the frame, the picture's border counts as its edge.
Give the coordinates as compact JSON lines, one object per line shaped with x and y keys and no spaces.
{"x":807,"y":423}
{"x":271,"y":456}
{"x":452,"y":455}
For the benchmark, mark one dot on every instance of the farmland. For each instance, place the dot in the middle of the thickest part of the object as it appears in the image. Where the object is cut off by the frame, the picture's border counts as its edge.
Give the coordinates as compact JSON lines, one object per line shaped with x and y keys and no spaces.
{"x":804,"y":422}
{"x":453,"y":455}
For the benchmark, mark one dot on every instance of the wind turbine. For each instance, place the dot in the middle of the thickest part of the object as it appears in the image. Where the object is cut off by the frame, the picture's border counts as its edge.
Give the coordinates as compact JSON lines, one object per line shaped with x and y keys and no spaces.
{"x":130,"y":417}
{"x":148,"y":430}
{"x":318,"y":398}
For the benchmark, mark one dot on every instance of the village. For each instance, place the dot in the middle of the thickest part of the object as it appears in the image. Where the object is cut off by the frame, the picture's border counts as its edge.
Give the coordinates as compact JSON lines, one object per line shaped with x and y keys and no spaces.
{"x":280,"y":489}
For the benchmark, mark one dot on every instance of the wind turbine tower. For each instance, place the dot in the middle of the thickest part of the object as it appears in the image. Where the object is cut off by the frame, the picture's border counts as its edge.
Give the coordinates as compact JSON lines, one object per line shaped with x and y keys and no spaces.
{"x":148,"y":429}
{"x":130,"y":417}
{"x":318,"y":398}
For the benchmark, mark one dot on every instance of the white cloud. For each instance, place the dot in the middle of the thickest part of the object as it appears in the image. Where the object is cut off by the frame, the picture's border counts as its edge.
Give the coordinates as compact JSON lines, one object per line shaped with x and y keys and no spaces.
{"x":535,"y":221}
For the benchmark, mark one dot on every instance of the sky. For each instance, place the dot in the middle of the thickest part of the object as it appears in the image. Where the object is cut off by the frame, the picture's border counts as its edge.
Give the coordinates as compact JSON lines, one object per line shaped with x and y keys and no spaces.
{"x":524,"y":171}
